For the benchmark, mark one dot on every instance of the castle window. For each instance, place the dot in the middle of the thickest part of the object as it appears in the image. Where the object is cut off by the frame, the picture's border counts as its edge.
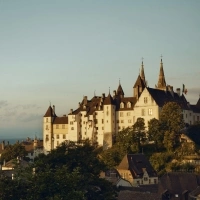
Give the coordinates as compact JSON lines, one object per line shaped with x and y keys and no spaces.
{"x":145,"y":179}
{"x":57,"y":126}
{"x":57,"y":136}
{"x":150,"y":111}
{"x":119,"y":127}
{"x":143,"y":112}
{"x":72,"y":128}
{"x":102,"y":121}
{"x":121,"y":105}
{"x":121,"y":114}
{"x":64,"y":136}
{"x":47,"y":128}
{"x":63,"y":126}
{"x":129,"y":105}
{"x":71,"y":123}
{"x":129,"y":121}
{"x":57,"y":143}
{"x":122,"y":121}
{"x":117,"y":121}
{"x":128,"y":113}
{"x":102,"y":128}
{"x":145,"y":100}
{"x":46,"y":119}
{"x":107,"y":113}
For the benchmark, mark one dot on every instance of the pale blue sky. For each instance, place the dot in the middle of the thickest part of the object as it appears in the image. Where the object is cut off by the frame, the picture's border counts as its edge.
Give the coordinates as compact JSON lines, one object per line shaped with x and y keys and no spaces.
{"x":59,"y":51}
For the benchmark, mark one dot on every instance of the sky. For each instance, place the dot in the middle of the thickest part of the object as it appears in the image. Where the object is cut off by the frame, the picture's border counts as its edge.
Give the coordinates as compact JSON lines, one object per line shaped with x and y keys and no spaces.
{"x":56,"y":52}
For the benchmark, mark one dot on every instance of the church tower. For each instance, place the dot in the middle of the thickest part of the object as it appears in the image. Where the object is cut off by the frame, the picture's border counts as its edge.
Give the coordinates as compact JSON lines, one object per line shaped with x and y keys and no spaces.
{"x":161,"y":79}
{"x":140,"y":83}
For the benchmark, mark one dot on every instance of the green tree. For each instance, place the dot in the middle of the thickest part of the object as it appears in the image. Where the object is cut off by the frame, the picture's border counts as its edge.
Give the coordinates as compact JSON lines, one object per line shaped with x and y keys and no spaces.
{"x":154,"y":133}
{"x":171,"y":121}
{"x":68,"y":172}
{"x":13,"y":151}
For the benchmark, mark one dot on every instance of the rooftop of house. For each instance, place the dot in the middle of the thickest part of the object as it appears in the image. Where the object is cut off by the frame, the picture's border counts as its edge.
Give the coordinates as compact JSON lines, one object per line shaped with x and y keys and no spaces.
{"x":137,"y":164}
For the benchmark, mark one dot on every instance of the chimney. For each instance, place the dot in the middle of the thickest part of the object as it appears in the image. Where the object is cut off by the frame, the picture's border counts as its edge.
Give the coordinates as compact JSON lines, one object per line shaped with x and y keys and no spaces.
{"x":178,"y":91}
{"x":85,"y":100}
{"x":54,"y":110}
{"x":103,"y":95}
{"x":79,"y":104}
{"x":71,"y":111}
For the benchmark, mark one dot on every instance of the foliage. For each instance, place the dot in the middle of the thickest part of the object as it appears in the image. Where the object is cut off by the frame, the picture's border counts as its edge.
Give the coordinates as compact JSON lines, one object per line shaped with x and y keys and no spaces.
{"x":176,"y":166}
{"x":171,"y":122}
{"x":154,"y":132}
{"x":68,"y":172}
{"x":13,"y":151}
{"x":159,"y":161}
{"x":193,"y":132}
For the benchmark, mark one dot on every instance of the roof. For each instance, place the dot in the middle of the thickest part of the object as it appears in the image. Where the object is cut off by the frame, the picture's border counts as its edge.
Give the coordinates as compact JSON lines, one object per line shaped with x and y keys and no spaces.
{"x":29,"y":145}
{"x":49,"y":112}
{"x":136,"y":163}
{"x":108,"y":100}
{"x":61,"y":120}
{"x":139,"y":82}
{"x":126,"y":100}
{"x":120,"y":91}
{"x":178,"y":183}
{"x":129,"y":195}
{"x":161,"y":97}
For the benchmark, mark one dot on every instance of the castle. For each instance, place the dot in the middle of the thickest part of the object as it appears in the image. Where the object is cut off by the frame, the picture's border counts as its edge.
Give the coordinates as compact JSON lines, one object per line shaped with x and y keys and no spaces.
{"x":99,"y":118}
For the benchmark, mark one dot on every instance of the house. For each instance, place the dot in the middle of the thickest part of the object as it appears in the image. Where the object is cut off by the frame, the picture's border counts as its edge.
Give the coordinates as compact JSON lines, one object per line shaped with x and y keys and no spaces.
{"x":137,"y":169}
{"x":101,"y":117}
{"x":177,"y":185}
{"x":33,"y":147}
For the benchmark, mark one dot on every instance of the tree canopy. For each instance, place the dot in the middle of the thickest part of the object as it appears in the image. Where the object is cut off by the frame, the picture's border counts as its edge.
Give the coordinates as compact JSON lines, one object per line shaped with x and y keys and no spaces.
{"x":68,"y":172}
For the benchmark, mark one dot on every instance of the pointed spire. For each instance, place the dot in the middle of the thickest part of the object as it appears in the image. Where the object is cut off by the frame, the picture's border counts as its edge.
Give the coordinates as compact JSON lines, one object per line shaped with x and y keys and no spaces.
{"x":161,"y":79}
{"x":142,"y":71}
{"x":120,"y":91}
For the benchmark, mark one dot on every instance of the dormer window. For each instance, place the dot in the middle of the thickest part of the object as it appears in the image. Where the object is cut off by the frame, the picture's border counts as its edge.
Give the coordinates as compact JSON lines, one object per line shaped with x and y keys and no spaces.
{"x":121,"y":105}
{"x":128,"y":105}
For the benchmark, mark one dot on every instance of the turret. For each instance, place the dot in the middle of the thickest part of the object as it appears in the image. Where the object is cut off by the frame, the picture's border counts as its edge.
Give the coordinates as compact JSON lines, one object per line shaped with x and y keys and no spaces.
{"x":161,"y":79}
{"x":140,"y":83}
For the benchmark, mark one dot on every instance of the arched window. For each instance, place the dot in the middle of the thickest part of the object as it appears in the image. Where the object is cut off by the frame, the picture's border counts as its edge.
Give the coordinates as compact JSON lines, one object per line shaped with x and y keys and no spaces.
{"x":128,"y":105}
{"x":121,"y":105}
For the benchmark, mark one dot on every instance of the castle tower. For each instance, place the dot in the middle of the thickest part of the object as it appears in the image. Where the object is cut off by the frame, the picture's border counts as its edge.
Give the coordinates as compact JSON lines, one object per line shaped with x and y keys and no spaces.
{"x":140,"y":83}
{"x":161,"y":79}
{"x":48,"y":139}
{"x":109,"y":118}
{"x":120,"y":92}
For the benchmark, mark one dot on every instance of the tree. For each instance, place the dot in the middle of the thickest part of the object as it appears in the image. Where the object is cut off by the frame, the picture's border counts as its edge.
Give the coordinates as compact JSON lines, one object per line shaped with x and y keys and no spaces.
{"x":171,"y":122}
{"x":68,"y":172}
{"x":155,"y":133}
{"x":13,"y":151}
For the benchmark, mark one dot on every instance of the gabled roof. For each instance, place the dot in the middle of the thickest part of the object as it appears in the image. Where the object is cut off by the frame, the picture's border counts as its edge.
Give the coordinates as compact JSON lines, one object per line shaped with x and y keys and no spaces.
{"x":49,"y":112}
{"x":137,"y":164}
{"x":178,"y":183}
{"x":161,"y":97}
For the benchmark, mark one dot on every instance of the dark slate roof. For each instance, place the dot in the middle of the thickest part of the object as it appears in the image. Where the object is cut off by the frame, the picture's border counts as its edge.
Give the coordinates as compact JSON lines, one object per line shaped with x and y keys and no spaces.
{"x":161,"y":97}
{"x":198,"y":103}
{"x":49,"y":112}
{"x":120,"y":90}
{"x":178,"y":183}
{"x":130,"y":195}
{"x":136,"y":163}
{"x":139,"y":82}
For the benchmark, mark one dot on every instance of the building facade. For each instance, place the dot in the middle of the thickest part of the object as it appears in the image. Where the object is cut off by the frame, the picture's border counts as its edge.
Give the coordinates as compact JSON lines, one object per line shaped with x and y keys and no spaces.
{"x":101,"y":117}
